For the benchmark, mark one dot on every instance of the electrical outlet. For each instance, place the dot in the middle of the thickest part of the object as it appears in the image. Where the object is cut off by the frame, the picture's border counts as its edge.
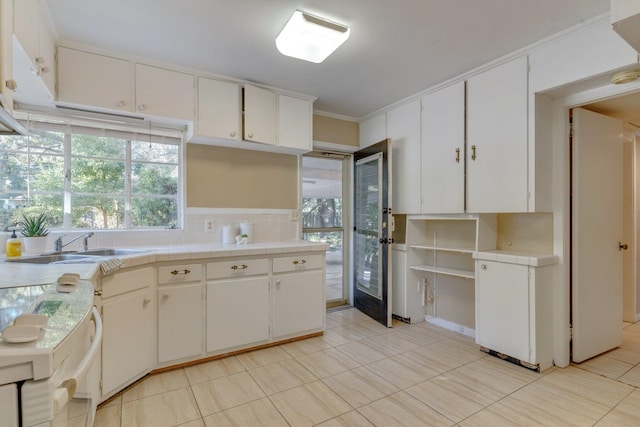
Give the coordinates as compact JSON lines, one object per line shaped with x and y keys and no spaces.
{"x":294,"y":215}
{"x":208,"y":225}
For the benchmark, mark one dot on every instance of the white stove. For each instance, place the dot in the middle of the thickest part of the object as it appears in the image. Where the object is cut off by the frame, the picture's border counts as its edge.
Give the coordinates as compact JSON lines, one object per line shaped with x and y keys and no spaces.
{"x":53,"y":372}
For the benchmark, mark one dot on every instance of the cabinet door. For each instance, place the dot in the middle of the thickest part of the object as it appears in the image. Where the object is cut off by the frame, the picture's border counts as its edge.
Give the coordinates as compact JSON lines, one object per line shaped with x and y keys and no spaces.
{"x":26,"y":21}
{"x":502,"y":308}
{"x":260,"y":115}
{"x":298,"y":303}
{"x":180,"y":321}
{"x":95,"y":80}
{"x":166,"y":93}
{"x":497,"y":139}
{"x":6,"y":54}
{"x":9,"y":405}
{"x":403,"y":127}
{"x":399,"y":289}
{"x":443,"y":157}
{"x":46,"y":57}
{"x":219,"y":109}
{"x":237,"y":313}
{"x":127,"y":340}
{"x":294,"y":123}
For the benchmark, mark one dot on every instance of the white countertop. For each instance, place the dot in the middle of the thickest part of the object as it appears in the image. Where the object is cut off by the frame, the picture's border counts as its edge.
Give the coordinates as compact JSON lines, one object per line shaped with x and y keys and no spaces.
{"x":20,"y":274}
{"x":522,"y":258}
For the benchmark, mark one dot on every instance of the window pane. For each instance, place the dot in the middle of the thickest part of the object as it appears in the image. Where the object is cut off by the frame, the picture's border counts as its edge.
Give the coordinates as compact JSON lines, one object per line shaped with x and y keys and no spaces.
{"x":13,"y":143}
{"x":154,"y":179}
{"x":154,"y":212}
{"x":97,"y":212}
{"x":97,"y":176}
{"x":334,"y":268}
{"x":322,"y":192}
{"x":98,"y":146}
{"x":14,"y":172}
{"x":47,"y":173}
{"x":46,"y":143}
{"x":53,"y":205}
{"x":154,"y":152}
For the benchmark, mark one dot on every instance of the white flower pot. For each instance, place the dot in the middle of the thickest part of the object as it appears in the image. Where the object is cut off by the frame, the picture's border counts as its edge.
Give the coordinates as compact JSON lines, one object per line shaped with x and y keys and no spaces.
{"x":34,"y":245}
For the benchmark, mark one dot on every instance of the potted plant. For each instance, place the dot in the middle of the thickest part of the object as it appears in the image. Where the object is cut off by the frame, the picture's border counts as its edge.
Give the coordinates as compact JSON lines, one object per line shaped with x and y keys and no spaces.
{"x":34,"y":229}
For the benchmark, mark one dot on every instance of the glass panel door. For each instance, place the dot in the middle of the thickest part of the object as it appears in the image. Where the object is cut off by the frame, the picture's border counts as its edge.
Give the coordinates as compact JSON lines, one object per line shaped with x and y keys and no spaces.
{"x":323,"y":211}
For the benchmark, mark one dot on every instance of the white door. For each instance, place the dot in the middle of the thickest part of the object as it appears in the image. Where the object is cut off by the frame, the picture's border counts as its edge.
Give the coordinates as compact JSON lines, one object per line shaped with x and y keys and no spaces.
{"x":596,"y":232}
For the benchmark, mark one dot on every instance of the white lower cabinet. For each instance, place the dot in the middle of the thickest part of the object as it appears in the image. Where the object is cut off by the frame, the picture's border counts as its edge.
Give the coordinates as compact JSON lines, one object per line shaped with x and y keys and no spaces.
{"x":514,"y":310}
{"x":237,"y":313}
{"x":180,"y":323}
{"x":128,"y":317}
{"x":298,"y":303}
{"x":9,"y":405}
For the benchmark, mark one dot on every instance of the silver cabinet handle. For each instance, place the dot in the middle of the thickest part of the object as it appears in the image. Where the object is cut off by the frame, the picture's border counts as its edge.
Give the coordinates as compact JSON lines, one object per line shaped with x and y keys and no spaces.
{"x":242,"y":267}
{"x":473,"y":152}
{"x":458,"y":155}
{"x":176,"y":272}
{"x":302,"y":261}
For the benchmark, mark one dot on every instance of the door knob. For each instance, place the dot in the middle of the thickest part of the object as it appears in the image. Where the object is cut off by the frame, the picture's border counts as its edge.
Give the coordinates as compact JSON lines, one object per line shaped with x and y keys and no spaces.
{"x":622,"y":246}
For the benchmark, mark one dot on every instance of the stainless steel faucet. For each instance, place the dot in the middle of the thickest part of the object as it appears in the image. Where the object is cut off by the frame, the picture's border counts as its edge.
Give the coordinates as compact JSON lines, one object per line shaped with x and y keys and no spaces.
{"x":85,"y":243}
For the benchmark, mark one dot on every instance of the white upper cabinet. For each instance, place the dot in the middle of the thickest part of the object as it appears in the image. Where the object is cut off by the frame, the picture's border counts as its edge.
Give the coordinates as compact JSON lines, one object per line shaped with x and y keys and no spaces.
{"x":97,"y":80}
{"x":403,"y":128}
{"x":7,"y":83}
{"x":219,"y":109}
{"x":625,"y":19}
{"x":34,"y":36}
{"x":373,"y":130}
{"x":260,"y":115}
{"x":443,"y":154}
{"x":295,"y":123}
{"x":166,"y":93}
{"x":497,"y":135}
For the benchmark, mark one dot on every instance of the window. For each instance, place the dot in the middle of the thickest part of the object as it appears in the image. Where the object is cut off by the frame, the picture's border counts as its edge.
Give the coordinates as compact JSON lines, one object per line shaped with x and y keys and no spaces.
{"x":88,"y":178}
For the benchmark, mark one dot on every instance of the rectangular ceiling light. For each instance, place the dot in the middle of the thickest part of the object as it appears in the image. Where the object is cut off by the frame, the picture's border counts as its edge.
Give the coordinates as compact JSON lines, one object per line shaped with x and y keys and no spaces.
{"x":310,"y":37}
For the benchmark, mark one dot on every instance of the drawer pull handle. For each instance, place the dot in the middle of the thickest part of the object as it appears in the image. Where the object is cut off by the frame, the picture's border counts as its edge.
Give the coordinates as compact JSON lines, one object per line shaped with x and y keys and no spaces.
{"x":242,"y":267}
{"x":302,"y":261}
{"x":185,"y":271}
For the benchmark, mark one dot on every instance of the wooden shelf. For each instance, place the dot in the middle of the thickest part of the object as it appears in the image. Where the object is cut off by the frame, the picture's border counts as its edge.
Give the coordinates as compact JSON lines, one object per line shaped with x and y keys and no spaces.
{"x":448,"y":271}
{"x":460,"y":249}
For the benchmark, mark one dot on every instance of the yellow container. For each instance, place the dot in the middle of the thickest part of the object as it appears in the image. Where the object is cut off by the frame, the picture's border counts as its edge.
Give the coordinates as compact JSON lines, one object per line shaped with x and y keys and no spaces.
{"x":13,"y":246}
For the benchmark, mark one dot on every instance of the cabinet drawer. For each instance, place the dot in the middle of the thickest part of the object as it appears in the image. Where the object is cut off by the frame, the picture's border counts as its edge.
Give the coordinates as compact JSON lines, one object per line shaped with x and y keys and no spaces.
{"x":127,"y":281}
{"x":237,"y":268}
{"x":179,"y":273}
{"x":297,"y":263}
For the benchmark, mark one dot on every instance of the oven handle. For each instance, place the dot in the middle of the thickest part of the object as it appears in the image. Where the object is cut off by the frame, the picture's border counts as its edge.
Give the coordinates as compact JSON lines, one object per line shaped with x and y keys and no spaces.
{"x":67,"y":389}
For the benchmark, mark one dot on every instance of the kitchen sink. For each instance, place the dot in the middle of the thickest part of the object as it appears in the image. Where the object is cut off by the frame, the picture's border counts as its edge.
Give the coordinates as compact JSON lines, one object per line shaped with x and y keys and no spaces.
{"x":51,"y":258}
{"x":111,"y":252}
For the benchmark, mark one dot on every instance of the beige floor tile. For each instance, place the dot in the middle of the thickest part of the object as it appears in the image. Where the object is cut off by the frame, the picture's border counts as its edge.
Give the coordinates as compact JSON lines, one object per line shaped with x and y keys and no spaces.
{"x":265,"y":356}
{"x":624,"y":355}
{"x":156,"y":384}
{"x":167,"y":409}
{"x":401,"y":409}
{"x":327,"y":362}
{"x":211,"y":370}
{"x":259,"y":413}
{"x":425,"y":336}
{"x":194,"y":423}
{"x":398,"y":341}
{"x":377,"y":328}
{"x":309,"y":404}
{"x":108,"y":416}
{"x":606,"y":366}
{"x":226,"y":392}
{"x":632,"y":377}
{"x":627,"y":413}
{"x":495,"y":378}
{"x":344,"y":334}
{"x":350,"y":419}
{"x":360,"y":386}
{"x":281,"y":376}
{"x":302,"y":347}
{"x":402,"y":371}
{"x":502,"y":415}
{"x":366,"y":351}
{"x":447,"y":353}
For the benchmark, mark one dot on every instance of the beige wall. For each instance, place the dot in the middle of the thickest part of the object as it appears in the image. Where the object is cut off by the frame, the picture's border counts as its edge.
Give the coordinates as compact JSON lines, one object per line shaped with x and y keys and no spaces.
{"x":335,"y":131}
{"x":219,"y":177}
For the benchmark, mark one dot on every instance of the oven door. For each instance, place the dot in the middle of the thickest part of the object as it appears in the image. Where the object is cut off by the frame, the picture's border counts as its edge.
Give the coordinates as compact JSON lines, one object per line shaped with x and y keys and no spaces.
{"x":70,"y":396}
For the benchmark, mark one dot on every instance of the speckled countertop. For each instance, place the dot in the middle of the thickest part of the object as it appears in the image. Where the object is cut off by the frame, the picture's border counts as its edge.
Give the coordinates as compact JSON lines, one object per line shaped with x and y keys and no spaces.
{"x":21,"y":274}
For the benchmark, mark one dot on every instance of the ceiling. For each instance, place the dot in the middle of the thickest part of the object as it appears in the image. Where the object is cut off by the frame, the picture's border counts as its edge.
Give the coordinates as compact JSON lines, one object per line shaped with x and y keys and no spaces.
{"x":396,"y":49}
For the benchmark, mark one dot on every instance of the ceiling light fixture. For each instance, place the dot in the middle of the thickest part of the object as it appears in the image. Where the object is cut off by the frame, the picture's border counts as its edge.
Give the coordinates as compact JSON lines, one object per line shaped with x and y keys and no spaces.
{"x":625,"y":77}
{"x":310,"y":37}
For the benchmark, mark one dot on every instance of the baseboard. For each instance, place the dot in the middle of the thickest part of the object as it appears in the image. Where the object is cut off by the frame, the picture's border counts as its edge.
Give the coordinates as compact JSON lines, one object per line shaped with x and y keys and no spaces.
{"x":451,"y":326}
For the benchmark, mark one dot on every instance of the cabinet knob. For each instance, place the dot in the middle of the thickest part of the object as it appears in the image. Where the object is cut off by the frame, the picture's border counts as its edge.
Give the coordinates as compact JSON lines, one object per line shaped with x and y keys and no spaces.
{"x":44,"y":70}
{"x":141,"y":107}
{"x":120,"y":104}
{"x":278,"y":283}
{"x":232,"y":134}
{"x":250,"y":135}
{"x":39,"y":60}
{"x":146,"y":301}
{"x":11,"y":84}
{"x":622,"y":246}
{"x":483,"y":266}
{"x":165,"y":296}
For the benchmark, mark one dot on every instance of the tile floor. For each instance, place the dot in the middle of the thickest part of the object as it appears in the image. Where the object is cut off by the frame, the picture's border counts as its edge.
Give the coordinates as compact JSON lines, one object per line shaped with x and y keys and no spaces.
{"x":362,"y":374}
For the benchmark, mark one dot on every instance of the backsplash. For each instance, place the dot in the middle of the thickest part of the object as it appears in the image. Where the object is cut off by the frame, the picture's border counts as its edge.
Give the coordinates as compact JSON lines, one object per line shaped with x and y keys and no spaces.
{"x":268,"y":226}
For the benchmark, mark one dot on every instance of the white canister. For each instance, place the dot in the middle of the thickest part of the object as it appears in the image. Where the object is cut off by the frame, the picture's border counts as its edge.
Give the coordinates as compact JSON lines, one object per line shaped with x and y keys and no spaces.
{"x":247,"y":228}
{"x":229,"y":233}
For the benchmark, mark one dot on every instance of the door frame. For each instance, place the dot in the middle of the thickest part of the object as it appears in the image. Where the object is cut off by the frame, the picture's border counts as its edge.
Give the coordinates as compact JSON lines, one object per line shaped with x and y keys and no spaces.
{"x":557,"y":123}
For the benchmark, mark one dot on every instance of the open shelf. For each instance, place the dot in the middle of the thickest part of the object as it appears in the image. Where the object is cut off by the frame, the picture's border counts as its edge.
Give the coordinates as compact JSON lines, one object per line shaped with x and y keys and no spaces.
{"x":443,"y":270}
{"x":459,"y":249}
